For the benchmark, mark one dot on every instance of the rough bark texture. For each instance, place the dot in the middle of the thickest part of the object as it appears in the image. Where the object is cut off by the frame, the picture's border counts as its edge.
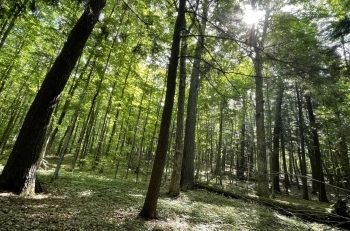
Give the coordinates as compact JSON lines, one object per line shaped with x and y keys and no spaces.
{"x":275,"y":163}
{"x":262,"y":175}
{"x":174,"y":188}
{"x":19,"y":173}
{"x":149,"y":209}
{"x":322,"y":196}
{"x":187,"y":169}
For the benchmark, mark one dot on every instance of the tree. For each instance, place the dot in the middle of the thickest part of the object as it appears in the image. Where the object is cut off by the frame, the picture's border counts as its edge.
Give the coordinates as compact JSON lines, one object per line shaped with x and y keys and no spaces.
{"x":187,"y":169}
{"x":258,"y":46}
{"x":19,"y":173}
{"x":322,"y":196}
{"x":149,"y":209}
{"x":174,"y":188}
{"x":301,"y":150}
{"x":275,"y":169}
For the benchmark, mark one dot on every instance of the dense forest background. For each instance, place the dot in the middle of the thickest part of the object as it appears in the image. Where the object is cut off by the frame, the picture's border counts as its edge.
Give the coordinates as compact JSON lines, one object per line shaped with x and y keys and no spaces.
{"x":262,"y":92}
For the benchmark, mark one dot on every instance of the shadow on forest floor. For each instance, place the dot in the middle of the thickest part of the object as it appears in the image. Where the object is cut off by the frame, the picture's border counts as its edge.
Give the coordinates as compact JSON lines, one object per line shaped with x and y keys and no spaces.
{"x":78,"y":201}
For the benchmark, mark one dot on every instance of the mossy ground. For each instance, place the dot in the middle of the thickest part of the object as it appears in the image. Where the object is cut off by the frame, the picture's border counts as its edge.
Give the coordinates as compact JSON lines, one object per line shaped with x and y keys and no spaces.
{"x":81,"y":201}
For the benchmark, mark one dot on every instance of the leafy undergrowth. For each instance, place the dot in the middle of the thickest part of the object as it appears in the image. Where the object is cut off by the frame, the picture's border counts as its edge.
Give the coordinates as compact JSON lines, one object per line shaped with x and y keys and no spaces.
{"x":83,"y":202}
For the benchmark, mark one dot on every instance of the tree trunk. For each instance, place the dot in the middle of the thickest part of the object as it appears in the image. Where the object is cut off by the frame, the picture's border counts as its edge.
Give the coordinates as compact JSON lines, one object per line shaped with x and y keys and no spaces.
{"x":275,"y":163}
{"x":19,"y":174}
{"x":302,"y":146}
{"x":262,"y":175}
{"x":240,"y":158}
{"x":187,"y":168}
{"x":67,"y":103}
{"x":322,"y":196}
{"x":219,"y":157}
{"x":174,"y":188}
{"x":283,"y":152}
{"x":149,"y":209}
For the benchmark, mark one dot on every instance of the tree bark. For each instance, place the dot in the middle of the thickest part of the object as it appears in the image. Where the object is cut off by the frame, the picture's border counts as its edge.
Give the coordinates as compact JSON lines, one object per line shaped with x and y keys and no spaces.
{"x":187,"y":168}
{"x":149,"y":209}
{"x":174,"y":188}
{"x":322,"y":196}
{"x":275,"y":163}
{"x":302,"y":147}
{"x":262,"y":175}
{"x":19,"y":173}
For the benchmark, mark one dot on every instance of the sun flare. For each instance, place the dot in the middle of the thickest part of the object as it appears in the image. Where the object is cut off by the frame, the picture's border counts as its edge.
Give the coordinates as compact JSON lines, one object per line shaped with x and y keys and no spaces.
{"x":252,"y":17}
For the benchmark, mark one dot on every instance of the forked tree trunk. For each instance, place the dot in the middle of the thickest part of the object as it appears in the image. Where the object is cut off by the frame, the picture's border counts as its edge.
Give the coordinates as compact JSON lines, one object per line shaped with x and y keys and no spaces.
{"x":149,"y":209}
{"x":19,"y":174}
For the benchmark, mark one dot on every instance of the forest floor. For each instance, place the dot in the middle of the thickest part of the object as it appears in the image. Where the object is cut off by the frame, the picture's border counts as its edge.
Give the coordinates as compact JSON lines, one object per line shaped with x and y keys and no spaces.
{"x":81,"y":201}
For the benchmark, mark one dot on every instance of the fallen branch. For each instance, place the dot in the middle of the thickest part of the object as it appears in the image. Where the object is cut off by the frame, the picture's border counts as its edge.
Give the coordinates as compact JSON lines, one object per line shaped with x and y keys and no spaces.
{"x":323,"y":217}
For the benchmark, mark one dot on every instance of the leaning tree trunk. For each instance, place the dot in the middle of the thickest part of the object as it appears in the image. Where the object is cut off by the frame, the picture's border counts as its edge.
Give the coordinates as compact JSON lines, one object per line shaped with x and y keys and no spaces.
{"x":149,"y":209}
{"x":19,"y":174}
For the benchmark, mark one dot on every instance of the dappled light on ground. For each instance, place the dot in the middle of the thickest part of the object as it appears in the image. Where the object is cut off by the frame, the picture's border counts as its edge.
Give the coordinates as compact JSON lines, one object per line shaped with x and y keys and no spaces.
{"x":81,"y":202}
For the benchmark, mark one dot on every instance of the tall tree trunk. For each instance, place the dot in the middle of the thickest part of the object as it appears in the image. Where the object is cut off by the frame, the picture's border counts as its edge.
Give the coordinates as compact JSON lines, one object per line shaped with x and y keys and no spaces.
{"x":302,"y":146}
{"x":149,"y":209}
{"x":19,"y":174}
{"x":187,"y":168}
{"x":275,"y":163}
{"x":283,"y":152}
{"x":218,"y":168}
{"x":174,"y":188}
{"x":67,"y":103}
{"x":17,"y":10}
{"x":240,"y":158}
{"x":322,"y":196}
{"x":262,"y":175}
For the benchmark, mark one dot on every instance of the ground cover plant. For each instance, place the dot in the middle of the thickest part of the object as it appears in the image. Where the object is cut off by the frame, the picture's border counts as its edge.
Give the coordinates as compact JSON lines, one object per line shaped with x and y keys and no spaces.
{"x":81,"y":201}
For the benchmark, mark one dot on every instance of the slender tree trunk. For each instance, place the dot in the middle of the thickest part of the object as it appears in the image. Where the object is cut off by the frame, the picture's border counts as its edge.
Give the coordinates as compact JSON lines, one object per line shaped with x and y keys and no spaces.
{"x":67,"y":103}
{"x":174,"y":188}
{"x":149,"y":209}
{"x":17,"y":10}
{"x":283,"y":152}
{"x":114,"y":127}
{"x":133,"y":145}
{"x":19,"y":173}
{"x":240,"y":168}
{"x":302,"y":146}
{"x":275,"y":163}
{"x":310,"y":150}
{"x":218,"y":168}
{"x":143,"y":136}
